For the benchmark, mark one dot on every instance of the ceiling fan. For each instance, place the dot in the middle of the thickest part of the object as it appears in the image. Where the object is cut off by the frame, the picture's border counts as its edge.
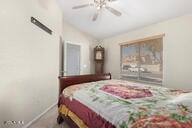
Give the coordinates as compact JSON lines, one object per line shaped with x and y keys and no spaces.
{"x":99,"y":4}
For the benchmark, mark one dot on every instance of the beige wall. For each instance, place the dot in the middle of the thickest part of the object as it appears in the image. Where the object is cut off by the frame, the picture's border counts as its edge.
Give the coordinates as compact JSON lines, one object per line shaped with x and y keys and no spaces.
{"x":29,"y":60}
{"x":73,"y":35}
{"x":177,"y":65}
{"x":29,"y":57}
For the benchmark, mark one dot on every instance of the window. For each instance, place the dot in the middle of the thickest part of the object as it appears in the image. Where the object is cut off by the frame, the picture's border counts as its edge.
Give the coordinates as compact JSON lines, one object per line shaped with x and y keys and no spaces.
{"x":142,"y":60}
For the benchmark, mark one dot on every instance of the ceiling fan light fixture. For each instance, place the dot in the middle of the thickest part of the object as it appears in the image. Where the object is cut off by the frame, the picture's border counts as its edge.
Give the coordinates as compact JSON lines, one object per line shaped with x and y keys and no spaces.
{"x":98,"y":5}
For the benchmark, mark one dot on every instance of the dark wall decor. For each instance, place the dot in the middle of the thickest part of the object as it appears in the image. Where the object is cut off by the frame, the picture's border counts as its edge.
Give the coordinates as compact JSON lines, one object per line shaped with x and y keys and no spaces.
{"x":42,"y":26}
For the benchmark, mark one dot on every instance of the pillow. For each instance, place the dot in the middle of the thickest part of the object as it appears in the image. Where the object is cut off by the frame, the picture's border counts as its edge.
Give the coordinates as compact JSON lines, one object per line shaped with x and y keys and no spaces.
{"x":185,"y":98}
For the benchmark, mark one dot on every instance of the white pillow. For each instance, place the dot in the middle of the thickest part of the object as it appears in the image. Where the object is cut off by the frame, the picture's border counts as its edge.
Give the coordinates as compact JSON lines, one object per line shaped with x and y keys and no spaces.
{"x":185,"y":98}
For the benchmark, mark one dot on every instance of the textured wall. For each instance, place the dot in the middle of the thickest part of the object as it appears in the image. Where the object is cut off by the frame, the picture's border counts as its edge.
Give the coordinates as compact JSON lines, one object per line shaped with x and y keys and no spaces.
{"x":176,"y":52}
{"x":29,"y":61}
{"x":73,"y":35}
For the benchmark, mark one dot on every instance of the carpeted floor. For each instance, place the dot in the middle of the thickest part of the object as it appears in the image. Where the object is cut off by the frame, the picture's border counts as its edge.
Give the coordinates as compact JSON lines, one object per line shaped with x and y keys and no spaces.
{"x":49,"y":120}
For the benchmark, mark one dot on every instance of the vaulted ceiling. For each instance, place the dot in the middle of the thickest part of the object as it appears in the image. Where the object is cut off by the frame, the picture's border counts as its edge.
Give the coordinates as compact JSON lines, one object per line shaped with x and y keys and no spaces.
{"x":135,"y":14}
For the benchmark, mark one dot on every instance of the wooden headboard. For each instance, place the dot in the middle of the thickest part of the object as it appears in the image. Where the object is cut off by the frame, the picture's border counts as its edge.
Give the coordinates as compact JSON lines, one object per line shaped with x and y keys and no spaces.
{"x":65,"y":81}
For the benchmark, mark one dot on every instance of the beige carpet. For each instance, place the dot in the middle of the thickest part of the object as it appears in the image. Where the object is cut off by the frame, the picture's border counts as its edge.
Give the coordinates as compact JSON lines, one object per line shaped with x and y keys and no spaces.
{"x":49,"y":120}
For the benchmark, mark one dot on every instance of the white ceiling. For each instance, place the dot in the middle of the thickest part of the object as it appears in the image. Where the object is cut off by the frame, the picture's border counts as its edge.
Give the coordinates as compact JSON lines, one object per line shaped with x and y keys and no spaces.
{"x":135,"y":14}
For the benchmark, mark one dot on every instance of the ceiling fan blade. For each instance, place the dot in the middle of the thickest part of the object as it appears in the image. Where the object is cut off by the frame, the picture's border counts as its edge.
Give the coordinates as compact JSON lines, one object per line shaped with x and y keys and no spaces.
{"x":112,"y":0}
{"x":95,"y":15}
{"x":81,"y":6}
{"x":114,"y":11}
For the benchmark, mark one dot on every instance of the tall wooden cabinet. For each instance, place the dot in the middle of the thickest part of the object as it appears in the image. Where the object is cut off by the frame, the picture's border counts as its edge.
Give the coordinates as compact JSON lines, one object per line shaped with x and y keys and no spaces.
{"x":99,"y":59}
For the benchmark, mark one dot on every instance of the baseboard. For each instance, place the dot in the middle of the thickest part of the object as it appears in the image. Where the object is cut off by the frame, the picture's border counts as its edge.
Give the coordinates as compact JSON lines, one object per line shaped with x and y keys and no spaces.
{"x":39,"y":116}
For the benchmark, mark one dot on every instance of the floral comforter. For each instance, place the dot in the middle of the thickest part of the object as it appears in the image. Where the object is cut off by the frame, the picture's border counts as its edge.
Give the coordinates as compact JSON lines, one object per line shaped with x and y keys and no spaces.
{"x":131,"y":105}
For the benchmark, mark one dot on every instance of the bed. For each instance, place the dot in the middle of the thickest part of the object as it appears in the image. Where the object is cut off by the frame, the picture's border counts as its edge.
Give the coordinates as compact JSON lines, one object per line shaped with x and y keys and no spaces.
{"x":97,"y":101}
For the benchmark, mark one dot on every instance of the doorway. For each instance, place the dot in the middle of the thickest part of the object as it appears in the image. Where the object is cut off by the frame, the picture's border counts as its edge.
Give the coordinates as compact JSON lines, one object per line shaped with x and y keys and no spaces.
{"x":72,"y":59}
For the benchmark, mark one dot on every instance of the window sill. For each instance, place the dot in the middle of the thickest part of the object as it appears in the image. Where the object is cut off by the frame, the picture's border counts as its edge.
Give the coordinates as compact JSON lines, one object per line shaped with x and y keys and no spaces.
{"x":140,"y":81}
